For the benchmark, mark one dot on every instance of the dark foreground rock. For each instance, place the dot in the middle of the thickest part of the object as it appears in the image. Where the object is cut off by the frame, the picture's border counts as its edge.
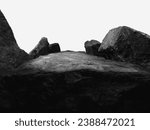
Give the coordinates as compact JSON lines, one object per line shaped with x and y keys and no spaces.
{"x":54,"y":48}
{"x":92,"y":47}
{"x":62,"y":82}
{"x":11,"y":55}
{"x":42,"y":48}
{"x":126,"y":44}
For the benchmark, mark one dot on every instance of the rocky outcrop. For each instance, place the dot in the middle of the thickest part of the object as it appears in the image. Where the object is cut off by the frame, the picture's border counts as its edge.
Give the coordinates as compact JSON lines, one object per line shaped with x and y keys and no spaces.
{"x":11,"y":55}
{"x":126,"y":44}
{"x":75,"y":81}
{"x":42,"y":48}
{"x":54,"y":48}
{"x":92,"y":47}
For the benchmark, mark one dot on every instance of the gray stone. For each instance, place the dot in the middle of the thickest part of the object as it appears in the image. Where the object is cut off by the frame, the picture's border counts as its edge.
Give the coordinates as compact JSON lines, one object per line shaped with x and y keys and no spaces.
{"x":54,"y":48}
{"x":11,"y":55}
{"x":92,"y":47}
{"x":42,"y":48}
{"x":126,"y":44}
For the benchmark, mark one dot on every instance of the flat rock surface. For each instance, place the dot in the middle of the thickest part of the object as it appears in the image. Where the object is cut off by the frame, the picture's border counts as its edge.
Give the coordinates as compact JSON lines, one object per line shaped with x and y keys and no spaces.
{"x":69,"y":61}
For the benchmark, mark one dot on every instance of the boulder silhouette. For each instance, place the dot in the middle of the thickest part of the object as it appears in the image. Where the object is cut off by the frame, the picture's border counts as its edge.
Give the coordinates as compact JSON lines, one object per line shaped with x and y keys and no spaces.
{"x":42,"y":48}
{"x":92,"y":47}
{"x":54,"y":48}
{"x":126,"y":44}
{"x":11,"y":55}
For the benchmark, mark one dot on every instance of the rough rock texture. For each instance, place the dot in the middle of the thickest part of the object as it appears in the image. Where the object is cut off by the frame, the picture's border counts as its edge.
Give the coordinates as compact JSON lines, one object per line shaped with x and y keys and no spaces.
{"x":54,"y":48}
{"x":75,"y":81}
{"x":92,"y":47}
{"x":42,"y":48}
{"x":62,"y":82}
{"x":11,"y":55}
{"x":126,"y":44}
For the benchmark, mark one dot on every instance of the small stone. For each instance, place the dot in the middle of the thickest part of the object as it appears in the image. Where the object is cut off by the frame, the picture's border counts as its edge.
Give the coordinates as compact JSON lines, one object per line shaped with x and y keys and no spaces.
{"x":91,"y":47}
{"x":54,"y":48}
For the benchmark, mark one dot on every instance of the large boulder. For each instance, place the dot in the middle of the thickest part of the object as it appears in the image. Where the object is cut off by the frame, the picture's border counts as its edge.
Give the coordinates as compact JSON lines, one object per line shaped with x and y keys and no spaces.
{"x":54,"y":48}
{"x":11,"y":56}
{"x":92,"y":47}
{"x":42,"y":48}
{"x":126,"y":44}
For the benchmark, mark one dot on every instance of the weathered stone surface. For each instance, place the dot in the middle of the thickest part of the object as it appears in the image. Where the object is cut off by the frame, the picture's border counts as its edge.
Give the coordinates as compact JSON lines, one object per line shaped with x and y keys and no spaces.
{"x":92,"y":47}
{"x":11,"y":55}
{"x":76,"y":82}
{"x":42,"y":48}
{"x":54,"y":48}
{"x":126,"y":44}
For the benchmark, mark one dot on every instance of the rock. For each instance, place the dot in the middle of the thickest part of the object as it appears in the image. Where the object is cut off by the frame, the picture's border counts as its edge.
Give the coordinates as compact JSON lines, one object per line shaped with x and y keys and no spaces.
{"x":11,"y":55}
{"x":92,"y":47}
{"x":42,"y":48}
{"x":54,"y":48}
{"x":75,"y":82}
{"x":126,"y":44}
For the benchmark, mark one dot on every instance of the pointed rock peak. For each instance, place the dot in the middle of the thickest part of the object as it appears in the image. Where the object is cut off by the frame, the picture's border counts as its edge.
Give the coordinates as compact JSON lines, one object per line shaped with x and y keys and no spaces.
{"x":6,"y":33}
{"x":44,"y":40}
{"x":11,"y":56}
{"x":42,"y":48}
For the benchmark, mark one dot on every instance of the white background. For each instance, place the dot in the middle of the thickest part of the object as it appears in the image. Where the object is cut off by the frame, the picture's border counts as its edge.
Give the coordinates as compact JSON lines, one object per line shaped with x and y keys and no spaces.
{"x":72,"y":22}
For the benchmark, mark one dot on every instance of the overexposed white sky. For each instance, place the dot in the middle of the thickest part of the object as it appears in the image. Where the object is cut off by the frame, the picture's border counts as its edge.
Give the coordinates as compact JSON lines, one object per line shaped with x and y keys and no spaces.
{"x":72,"y":22}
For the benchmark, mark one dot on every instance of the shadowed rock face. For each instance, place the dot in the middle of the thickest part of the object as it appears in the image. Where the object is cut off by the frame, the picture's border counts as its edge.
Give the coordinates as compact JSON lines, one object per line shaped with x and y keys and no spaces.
{"x":126,"y":44}
{"x":42,"y":48}
{"x":62,"y":82}
{"x":92,"y":47}
{"x":10,"y":54}
{"x":54,"y":48}
{"x":6,"y":34}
